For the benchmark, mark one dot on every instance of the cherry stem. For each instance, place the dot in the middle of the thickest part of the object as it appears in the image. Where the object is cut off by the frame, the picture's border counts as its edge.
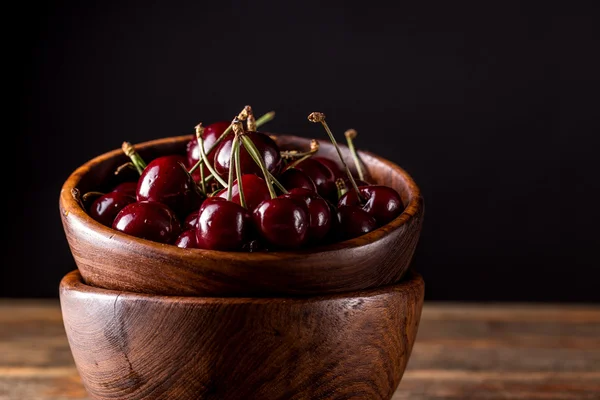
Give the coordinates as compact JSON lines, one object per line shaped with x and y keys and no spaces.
{"x":122,"y":167}
{"x":86,"y":197}
{"x":342,"y":189}
{"x":76,"y":194}
{"x":208,"y":178}
{"x":250,"y":121}
{"x":314,"y":147}
{"x":350,"y":136}
{"x":199,"y":132}
{"x":261,"y":121}
{"x":265,"y":118}
{"x":202,"y":183}
{"x":136,"y":159}
{"x":255,"y":154}
{"x":234,"y":146}
{"x":320,"y":117}
{"x":278,"y":184}
{"x":238,"y":167}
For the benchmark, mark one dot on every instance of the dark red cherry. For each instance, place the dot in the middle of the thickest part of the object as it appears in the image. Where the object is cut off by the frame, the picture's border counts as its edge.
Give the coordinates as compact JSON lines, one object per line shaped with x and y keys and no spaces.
{"x":282,"y":222}
{"x":187,"y":240}
{"x":191,"y":221}
{"x":334,"y":167}
{"x":382,"y":202}
{"x":255,"y":191}
{"x":211,"y":133}
{"x":353,"y":222}
{"x":318,"y":211}
{"x":223,"y":225}
{"x":129,"y":188}
{"x":322,"y":177}
{"x":266,"y":147}
{"x":148,"y":220}
{"x":166,"y":181}
{"x":294,"y":178}
{"x":106,"y":207}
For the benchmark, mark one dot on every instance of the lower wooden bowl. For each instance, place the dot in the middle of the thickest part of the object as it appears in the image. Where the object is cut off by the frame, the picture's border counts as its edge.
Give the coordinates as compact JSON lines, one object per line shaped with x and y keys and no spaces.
{"x":342,"y":346}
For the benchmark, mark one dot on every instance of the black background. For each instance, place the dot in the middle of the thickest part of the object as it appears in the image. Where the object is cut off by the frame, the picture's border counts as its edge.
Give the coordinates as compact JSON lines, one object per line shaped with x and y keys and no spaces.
{"x":493,"y":108}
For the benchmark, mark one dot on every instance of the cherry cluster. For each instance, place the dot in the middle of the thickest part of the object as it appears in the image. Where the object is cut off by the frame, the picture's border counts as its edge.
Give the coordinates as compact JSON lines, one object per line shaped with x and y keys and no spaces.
{"x":236,"y":190}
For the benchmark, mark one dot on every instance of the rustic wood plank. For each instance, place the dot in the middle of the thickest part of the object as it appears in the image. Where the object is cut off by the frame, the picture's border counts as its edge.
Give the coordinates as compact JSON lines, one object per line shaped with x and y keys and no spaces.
{"x":463,"y":351}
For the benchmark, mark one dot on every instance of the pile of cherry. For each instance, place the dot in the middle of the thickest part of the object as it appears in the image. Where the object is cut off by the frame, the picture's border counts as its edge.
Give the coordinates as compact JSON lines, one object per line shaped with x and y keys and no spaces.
{"x":242,"y":193}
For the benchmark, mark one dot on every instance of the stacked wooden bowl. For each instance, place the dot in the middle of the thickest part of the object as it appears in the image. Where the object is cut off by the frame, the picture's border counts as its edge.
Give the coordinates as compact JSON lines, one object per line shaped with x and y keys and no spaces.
{"x":153,"y":321}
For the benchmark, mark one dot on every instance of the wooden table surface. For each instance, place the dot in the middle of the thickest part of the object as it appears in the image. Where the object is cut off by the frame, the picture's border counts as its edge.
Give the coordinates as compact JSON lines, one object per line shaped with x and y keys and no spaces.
{"x":463,"y":351}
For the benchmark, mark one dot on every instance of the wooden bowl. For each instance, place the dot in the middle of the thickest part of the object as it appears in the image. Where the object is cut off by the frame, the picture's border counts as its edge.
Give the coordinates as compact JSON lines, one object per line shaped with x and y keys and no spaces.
{"x":110,"y":259}
{"x":131,"y":346}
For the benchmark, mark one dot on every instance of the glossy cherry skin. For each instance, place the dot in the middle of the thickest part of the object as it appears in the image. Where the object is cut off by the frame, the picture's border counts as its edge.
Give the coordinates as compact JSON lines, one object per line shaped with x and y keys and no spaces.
{"x":293,"y":178}
{"x":353,"y":222}
{"x":382,"y":202}
{"x":166,"y":181}
{"x":187,"y":240}
{"x":255,"y":191}
{"x":148,"y":220}
{"x":106,"y":207}
{"x":319,"y":213}
{"x":211,"y":133}
{"x":282,"y":222}
{"x":129,"y":188}
{"x":322,"y":177}
{"x":266,"y":146}
{"x":223,"y":225}
{"x":334,"y":167}
{"x":191,"y":221}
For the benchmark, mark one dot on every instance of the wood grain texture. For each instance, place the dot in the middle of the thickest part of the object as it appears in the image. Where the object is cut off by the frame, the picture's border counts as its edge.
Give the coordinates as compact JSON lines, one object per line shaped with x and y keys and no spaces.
{"x":452,"y":358}
{"x":133,"y":346}
{"x":110,"y":259}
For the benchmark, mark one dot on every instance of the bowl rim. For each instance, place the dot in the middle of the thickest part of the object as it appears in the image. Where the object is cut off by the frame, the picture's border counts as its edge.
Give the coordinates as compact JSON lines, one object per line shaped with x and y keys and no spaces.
{"x":70,"y":207}
{"x":74,"y":284}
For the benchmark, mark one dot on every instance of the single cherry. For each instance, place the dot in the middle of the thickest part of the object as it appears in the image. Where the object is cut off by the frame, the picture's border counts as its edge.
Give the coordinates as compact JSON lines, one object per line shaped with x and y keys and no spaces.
{"x":267,"y":149}
{"x":294,"y":178}
{"x":353,"y":222}
{"x":187,"y":240}
{"x":106,"y":207}
{"x":129,"y":188}
{"x":255,"y":191}
{"x":211,"y":133}
{"x":223,"y":225}
{"x":322,"y":177}
{"x":148,"y":220}
{"x":191,"y":221}
{"x":333,"y":166}
{"x":381,"y":202}
{"x":167,"y":181}
{"x":283,"y":221}
{"x":319,"y":212}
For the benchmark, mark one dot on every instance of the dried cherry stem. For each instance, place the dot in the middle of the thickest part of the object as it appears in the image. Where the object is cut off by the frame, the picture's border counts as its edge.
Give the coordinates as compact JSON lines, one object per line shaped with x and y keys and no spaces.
{"x":320,"y":117}
{"x":238,"y":130}
{"x":77,"y":197}
{"x":122,"y":167}
{"x":314,"y":147}
{"x":86,"y":197}
{"x":199,"y":133}
{"x":350,"y":136}
{"x":136,"y":159}
{"x":242,"y":116}
{"x":250,"y":121}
